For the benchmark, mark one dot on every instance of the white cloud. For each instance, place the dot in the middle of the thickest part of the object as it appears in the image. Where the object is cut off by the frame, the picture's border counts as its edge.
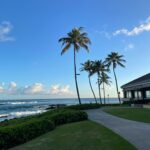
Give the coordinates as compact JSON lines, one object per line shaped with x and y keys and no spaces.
{"x":145,"y":26}
{"x":130,"y":46}
{"x":60,"y":90}
{"x":5,"y":29}
{"x":12,"y":88}
{"x":12,"y":85}
{"x":36,"y":88}
{"x":2,"y":90}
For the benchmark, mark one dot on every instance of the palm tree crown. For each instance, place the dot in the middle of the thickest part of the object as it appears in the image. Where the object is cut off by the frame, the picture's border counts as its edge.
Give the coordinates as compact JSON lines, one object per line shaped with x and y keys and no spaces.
{"x":87,"y":66}
{"x":115,"y":59}
{"x":76,"y":38}
{"x":105,"y":79}
{"x":100,"y":67}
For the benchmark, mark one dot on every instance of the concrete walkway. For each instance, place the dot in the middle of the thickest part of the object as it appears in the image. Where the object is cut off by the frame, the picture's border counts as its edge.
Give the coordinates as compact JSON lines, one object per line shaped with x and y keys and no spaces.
{"x":137,"y":133}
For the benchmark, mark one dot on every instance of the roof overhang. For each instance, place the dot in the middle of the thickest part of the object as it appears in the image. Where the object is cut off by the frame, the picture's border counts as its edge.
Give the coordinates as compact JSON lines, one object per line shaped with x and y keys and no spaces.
{"x":136,"y":86}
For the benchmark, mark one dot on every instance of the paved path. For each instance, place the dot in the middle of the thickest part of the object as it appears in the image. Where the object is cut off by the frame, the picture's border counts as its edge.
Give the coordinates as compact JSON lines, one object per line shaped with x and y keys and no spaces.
{"x":137,"y":133}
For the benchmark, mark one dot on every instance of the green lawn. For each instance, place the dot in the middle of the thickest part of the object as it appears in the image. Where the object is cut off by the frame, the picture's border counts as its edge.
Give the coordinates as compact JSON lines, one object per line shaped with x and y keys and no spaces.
{"x":137,"y":114}
{"x":85,"y":135}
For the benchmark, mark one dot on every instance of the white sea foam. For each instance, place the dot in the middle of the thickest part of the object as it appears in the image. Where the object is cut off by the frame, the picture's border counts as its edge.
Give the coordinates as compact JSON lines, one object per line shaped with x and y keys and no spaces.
{"x":20,"y":103}
{"x":4,"y":115}
{"x":26,"y":113}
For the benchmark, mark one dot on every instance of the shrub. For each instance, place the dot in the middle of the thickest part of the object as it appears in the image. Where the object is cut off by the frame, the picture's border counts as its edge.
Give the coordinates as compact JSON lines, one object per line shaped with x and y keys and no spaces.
{"x":68,"y":116}
{"x":84,"y":106}
{"x":14,"y":135}
{"x":21,"y":130}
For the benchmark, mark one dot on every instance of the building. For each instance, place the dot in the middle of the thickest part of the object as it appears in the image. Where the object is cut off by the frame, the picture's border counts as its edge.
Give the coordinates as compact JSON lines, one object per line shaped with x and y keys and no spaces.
{"x":138,"y":89}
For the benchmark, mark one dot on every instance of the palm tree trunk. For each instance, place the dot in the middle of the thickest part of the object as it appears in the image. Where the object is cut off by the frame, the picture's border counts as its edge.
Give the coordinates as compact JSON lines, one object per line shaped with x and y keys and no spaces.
{"x":92,"y":89}
{"x":117,"y":86}
{"x":100,"y":99}
{"x":75,"y":75}
{"x":104,"y":93}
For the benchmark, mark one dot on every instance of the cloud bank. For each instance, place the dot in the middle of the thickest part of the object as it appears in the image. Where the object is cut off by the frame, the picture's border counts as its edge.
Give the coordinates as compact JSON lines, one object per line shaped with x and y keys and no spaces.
{"x":35,"y":89}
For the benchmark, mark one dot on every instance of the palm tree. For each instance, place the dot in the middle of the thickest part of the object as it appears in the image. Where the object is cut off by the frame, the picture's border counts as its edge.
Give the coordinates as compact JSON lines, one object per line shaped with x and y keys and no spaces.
{"x":113,"y":60}
{"x":99,"y":89}
{"x":96,"y":69}
{"x":77,"y":39}
{"x":103,"y":69}
{"x":100,"y":68}
{"x":105,"y":79}
{"x":87,"y":66}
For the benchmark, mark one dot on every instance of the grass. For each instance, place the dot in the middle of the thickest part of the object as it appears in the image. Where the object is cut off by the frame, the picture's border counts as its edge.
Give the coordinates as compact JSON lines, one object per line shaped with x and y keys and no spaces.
{"x":19,"y":131}
{"x":136,"y":114}
{"x":85,"y":135}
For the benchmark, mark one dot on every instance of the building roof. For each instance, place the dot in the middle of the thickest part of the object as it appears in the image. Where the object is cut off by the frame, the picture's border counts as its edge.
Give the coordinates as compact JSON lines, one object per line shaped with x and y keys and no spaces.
{"x":140,"y":82}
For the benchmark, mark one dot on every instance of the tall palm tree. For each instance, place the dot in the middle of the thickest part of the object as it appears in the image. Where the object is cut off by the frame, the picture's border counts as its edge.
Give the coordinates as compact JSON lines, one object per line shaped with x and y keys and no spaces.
{"x":105,"y":79}
{"x":96,"y":69}
{"x":100,"y":68}
{"x":113,"y":60}
{"x":103,"y":70}
{"x":77,"y":39}
{"x":87,"y":66}
{"x":99,"y":88}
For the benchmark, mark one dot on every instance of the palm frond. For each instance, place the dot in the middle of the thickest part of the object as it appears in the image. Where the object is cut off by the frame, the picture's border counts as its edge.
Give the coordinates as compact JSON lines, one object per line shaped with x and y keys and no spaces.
{"x":80,"y":28}
{"x":85,"y":47}
{"x":65,"y":48}
{"x":120,"y":64}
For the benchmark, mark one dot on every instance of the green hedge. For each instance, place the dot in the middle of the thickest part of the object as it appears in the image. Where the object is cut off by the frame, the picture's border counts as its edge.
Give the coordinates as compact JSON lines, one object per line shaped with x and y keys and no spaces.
{"x":12,"y":136}
{"x":89,"y":106}
{"x":16,"y":132}
{"x":85,"y":106}
{"x":68,"y":116}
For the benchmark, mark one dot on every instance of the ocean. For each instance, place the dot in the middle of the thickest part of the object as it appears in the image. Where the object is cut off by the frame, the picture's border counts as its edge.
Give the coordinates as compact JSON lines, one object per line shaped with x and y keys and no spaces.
{"x":10,"y":109}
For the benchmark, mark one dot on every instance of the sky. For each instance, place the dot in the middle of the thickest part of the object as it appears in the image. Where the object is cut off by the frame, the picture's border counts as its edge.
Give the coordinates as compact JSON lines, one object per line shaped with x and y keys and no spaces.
{"x":30,"y":62}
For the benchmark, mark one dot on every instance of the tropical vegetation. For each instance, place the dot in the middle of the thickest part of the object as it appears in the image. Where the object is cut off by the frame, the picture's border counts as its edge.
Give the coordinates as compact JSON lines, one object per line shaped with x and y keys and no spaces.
{"x":105,"y":79}
{"x":76,"y":39}
{"x":88,"y":67}
{"x":114,"y":59}
{"x":21,"y":130}
{"x":101,"y":69}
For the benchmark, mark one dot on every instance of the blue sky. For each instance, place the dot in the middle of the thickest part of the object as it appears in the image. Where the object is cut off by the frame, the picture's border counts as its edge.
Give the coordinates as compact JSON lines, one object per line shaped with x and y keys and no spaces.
{"x":30,"y":62}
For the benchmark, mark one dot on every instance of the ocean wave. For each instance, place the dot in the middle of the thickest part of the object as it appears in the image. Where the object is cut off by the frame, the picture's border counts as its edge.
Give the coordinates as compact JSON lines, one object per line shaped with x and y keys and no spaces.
{"x":26,"y":113}
{"x":4,"y":115}
{"x":21,"y":103}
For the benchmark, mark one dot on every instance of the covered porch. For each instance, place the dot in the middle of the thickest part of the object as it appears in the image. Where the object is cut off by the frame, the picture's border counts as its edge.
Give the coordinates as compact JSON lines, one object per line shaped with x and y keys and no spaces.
{"x":137,"y":94}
